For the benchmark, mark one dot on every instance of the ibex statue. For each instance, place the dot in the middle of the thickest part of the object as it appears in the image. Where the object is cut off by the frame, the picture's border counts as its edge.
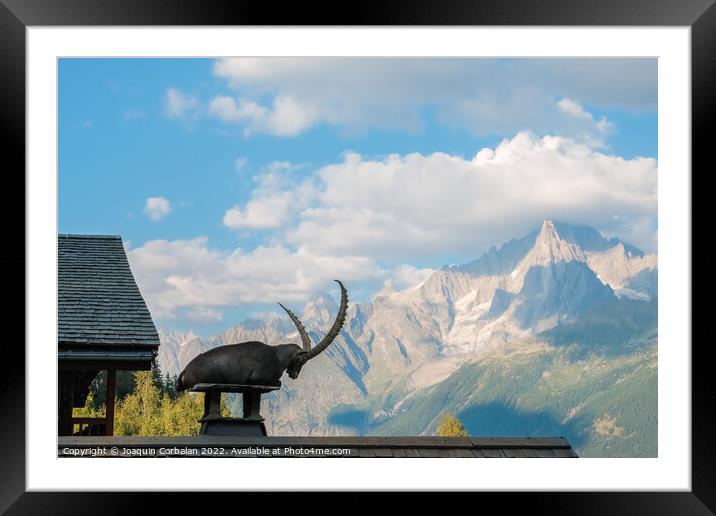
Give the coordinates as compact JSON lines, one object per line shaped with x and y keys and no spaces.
{"x":256,"y":363}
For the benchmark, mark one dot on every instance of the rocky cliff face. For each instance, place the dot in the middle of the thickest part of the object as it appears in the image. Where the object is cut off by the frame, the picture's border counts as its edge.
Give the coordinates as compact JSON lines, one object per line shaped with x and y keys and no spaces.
{"x":401,"y":344}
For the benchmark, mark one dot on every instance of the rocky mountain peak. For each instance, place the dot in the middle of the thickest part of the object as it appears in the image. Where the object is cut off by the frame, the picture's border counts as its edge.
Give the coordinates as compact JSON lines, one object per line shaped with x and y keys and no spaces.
{"x":549,"y":247}
{"x":320,"y":309}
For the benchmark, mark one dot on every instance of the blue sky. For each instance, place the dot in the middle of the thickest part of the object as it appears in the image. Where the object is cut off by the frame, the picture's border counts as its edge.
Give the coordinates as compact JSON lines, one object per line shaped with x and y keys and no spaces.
{"x":240,"y":182}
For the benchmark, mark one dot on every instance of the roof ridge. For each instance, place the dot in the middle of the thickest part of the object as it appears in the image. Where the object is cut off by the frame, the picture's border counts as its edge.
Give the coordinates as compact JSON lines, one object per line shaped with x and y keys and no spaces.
{"x":75,"y":235}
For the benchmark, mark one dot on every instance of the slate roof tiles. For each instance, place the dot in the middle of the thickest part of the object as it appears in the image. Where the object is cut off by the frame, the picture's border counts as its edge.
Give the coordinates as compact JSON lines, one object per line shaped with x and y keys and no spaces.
{"x":98,"y":300}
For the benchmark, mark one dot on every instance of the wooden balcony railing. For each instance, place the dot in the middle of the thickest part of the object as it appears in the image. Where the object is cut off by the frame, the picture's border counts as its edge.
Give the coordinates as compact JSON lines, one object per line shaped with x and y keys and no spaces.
{"x":89,"y":425}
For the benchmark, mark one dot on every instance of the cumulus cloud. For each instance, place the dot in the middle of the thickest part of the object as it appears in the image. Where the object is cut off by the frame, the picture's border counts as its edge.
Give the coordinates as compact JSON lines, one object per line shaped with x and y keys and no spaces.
{"x":262,"y":213}
{"x":369,"y":221}
{"x":274,"y":202}
{"x":404,"y":207}
{"x":575,"y":109}
{"x":286,"y":117}
{"x":406,"y":276}
{"x":187,"y":275}
{"x":178,"y":103}
{"x":156,"y":208}
{"x":486,"y":96}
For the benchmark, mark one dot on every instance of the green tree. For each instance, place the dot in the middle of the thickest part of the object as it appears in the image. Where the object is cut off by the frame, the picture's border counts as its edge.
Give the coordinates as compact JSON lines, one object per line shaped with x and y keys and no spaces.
{"x":150,"y":411}
{"x":157,"y":377}
{"x":123,"y":387}
{"x":170,"y":386}
{"x":450,"y":426}
{"x":138,"y":413}
{"x":180,"y":416}
{"x":152,"y":408}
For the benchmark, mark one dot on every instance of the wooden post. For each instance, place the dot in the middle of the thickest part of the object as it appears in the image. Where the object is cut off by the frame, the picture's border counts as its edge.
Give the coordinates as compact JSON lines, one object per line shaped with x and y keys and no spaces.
{"x":64,"y":425}
{"x":109,"y":414}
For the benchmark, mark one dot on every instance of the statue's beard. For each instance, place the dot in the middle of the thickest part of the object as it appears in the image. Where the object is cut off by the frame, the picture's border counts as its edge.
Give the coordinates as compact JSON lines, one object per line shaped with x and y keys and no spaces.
{"x":295,"y":366}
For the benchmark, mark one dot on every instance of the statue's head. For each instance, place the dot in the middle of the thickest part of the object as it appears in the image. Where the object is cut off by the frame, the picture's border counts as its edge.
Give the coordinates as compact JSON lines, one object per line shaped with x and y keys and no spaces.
{"x":308,"y":352}
{"x":294,"y":367}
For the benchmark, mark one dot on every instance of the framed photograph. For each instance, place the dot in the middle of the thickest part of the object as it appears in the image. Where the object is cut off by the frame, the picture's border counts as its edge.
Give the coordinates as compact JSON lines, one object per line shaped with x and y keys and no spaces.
{"x":501,"y":194}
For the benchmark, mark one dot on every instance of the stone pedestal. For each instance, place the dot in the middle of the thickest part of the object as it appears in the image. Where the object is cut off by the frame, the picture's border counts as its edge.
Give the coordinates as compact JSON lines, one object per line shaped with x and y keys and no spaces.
{"x":251,"y":424}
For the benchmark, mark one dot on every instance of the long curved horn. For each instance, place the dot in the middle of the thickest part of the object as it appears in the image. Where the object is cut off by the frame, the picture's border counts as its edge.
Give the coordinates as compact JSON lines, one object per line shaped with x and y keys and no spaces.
{"x":337,"y":325}
{"x":301,"y":330}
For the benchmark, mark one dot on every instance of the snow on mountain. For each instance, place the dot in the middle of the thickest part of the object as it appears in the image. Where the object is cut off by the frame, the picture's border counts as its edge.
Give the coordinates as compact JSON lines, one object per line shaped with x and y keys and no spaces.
{"x":406,"y":341}
{"x":548,"y":249}
{"x":555,"y":291}
{"x":550,"y":282}
{"x":620,"y":268}
{"x":523,"y":288}
{"x":503,"y":260}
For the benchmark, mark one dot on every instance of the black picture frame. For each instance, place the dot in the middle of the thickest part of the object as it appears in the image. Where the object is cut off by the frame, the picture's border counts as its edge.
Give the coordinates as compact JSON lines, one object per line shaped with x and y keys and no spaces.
{"x":17,"y":15}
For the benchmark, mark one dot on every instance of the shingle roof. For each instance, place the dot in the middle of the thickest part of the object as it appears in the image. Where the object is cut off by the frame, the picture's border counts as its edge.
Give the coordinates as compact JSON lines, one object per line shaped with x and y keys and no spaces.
{"x":98,"y":300}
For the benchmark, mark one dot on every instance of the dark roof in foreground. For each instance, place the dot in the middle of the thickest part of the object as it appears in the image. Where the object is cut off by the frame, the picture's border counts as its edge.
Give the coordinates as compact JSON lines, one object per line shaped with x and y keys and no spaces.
{"x":98,"y":300}
{"x":425,"y":447}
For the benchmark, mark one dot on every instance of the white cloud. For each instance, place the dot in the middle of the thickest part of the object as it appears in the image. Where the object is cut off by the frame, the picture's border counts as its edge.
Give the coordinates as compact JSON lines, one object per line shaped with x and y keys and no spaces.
{"x":186,"y":275}
{"x":486,"y":96}
{"x":406,"y":276}
{"x":286,"y":117}
{"x":622,"y":83}
{"x":575,"y":109}
{"x":261,"y":213}
{"x":156,"y":208}
{"x":274,"y":203}
{"x":404,"y":207}
{"x":178,"y":103}
{"x":203,"y":315}
{"x":367,"y":220}
{"x":618,"y":82}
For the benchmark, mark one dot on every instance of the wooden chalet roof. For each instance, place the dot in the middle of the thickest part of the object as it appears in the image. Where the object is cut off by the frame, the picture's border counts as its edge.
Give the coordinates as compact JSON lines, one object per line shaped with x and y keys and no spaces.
{"x":99,"y":302}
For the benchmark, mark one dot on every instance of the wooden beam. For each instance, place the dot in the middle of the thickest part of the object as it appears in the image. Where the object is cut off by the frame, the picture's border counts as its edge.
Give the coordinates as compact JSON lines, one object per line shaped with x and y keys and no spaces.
{"x":64,"y":409}
{"x":109,"y":413}
{"x":343,"y":441}
{"x":423,"y":446}
{"x":88,"y":420}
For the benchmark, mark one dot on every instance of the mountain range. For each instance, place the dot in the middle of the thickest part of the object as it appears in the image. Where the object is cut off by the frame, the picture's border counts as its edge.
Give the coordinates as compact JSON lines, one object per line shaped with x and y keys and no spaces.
{"x":554,"y":333}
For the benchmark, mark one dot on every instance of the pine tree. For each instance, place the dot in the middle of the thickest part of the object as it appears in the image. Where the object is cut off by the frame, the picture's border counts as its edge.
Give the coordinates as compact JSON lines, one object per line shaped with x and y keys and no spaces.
{"x":157,"y":378}
{"x":170,"y":386}
{"x":138,"y":413}
{"x":450,"y":426}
